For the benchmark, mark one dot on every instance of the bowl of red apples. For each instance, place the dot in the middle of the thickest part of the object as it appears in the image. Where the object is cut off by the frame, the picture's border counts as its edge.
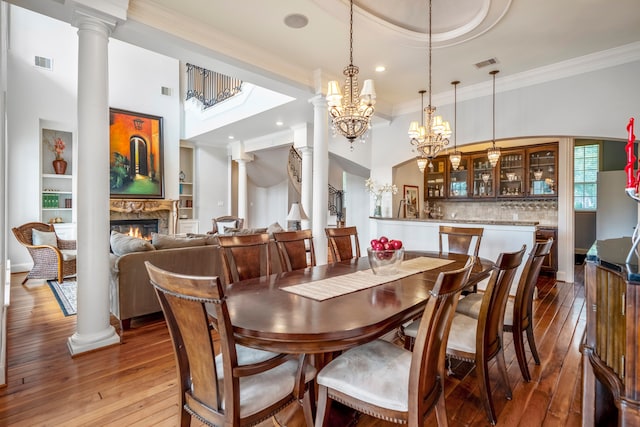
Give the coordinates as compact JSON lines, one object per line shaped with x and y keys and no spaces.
{"x":385,"y":256}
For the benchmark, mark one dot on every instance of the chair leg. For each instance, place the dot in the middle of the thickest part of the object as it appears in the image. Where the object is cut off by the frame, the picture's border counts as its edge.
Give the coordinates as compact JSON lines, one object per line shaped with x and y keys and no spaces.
{"x":518,"y":345}
{"x":324,"y":407}
{"x":482,"y":371}
{"x":502,"y":367}
{"x":308,"y":405}
{"x":441,"y":411}
{"x":532,"y":344}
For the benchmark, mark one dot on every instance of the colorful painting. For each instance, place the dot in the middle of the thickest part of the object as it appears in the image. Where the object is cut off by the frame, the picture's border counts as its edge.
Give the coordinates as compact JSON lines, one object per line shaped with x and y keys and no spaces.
{"x":411,"y":207}
{"x":136,"y":165}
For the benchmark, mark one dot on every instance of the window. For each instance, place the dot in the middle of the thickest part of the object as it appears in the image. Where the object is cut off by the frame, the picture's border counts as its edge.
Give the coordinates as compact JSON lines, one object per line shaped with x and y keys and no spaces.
{"x":586,"y":159}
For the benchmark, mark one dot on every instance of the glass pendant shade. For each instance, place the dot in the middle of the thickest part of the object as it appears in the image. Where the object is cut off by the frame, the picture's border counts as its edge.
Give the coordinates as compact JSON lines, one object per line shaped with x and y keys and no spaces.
{"x":455,"y":159}
{"x":422,"y":163}
{"x":493,"y":153}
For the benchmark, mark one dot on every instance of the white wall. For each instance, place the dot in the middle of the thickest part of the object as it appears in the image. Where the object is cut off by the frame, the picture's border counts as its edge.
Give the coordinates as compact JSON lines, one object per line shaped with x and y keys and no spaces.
{"x":211,"y":201}
{"x":267,"y":205}
{"x":35,"y":95}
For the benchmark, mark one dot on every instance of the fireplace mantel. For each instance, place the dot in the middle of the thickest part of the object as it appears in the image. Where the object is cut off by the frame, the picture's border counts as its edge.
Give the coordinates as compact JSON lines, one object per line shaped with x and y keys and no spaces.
{"x":142,"y":206}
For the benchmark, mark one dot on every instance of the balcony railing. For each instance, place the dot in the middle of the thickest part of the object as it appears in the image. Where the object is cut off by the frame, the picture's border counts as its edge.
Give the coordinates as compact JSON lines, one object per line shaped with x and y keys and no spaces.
{"x":209,"y":87}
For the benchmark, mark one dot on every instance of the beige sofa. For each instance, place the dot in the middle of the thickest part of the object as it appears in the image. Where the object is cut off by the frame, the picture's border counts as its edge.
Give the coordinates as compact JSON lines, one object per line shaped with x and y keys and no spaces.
{"x":131,"y":294}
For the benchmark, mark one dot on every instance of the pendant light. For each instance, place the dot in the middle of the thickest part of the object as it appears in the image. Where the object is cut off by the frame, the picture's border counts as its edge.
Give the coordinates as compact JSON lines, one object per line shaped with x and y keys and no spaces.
{"x":493,"y":153}
{"x":455,"y":157}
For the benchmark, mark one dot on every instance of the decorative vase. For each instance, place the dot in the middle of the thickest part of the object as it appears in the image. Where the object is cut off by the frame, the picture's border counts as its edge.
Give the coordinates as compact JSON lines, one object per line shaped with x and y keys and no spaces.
{"x":60,"y":166}
{"x":378,"y":209}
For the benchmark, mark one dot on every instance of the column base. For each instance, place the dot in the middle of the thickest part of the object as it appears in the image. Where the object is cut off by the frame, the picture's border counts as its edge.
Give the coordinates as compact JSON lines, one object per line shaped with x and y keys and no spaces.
{"x":81,"y":343}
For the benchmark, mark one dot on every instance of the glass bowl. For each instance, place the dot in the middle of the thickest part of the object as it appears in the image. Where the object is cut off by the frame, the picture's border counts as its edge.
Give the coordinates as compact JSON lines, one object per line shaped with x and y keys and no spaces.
{"x":385,"y":262}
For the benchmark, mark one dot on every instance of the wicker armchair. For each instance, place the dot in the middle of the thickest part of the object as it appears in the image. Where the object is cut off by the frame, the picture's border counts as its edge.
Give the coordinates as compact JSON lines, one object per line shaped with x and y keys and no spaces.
{"x":49,"y":262}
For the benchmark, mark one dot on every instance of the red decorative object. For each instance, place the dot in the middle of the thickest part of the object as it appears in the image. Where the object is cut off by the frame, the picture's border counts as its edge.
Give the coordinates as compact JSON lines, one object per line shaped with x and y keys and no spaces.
{"x":631,"y":159}
{"x":60,"y":166}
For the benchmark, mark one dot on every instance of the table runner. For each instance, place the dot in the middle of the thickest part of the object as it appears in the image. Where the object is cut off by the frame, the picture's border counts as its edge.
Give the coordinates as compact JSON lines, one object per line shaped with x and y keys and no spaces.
{"x":324,"y":289}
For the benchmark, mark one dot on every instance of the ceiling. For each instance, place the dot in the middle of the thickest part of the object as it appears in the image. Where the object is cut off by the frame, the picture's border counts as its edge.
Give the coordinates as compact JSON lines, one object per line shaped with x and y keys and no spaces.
{"x":249,"y":39}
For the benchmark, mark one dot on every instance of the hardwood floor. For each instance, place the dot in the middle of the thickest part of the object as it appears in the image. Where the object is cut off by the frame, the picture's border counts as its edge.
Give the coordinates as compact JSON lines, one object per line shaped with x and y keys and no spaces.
{"x":134,"y":383}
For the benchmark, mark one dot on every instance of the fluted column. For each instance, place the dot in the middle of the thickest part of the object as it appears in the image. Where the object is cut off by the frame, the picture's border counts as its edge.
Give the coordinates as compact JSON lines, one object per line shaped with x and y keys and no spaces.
{"x":93,"y":328}
{"x":320,"y":176}
{"x":306,"y":193}
{"x":242,"y":189}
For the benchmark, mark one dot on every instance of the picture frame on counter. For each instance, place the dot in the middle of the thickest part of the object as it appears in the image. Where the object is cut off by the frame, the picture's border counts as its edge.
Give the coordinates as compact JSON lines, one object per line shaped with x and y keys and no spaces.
{"x":411,"y":206}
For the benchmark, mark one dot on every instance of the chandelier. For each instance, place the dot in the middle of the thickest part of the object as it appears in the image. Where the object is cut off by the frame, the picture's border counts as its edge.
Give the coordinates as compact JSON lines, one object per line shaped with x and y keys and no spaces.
{"x":493,"y":153}
{"x":351,"y":114}
{"x":429,"y":139}
{"x":455,"y":156}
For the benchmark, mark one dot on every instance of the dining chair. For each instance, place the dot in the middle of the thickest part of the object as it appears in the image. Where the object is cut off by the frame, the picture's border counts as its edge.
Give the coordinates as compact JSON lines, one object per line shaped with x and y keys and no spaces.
{"x":53,"y":258}
{"x":460,"y":240}
{"x":220,"y":223}
{"x":480,"y":340}
{"x":388,"y":382}
{"x":245,"y":256}
{"x":518,"y":316}
{"x":295,"y":249}
{"x":240,"y":386}
{"x":343,"y":242}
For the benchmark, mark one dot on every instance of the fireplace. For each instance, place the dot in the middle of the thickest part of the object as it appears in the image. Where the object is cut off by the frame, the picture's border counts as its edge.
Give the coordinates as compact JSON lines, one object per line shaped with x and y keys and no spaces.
{"x":164,"y":212}
{"x":136,"y":227}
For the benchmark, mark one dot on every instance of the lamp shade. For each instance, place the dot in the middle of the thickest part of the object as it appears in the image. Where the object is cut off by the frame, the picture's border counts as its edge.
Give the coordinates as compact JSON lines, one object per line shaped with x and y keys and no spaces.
{"x":296,"y":213}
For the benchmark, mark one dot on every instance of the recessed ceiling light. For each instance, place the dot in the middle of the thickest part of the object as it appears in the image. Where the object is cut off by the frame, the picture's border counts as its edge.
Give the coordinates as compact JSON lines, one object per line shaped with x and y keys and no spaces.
{"x":380,"y":68}
{"x":279,"y":123}
{"x":231,"y":137}
{"x":296,"y":20}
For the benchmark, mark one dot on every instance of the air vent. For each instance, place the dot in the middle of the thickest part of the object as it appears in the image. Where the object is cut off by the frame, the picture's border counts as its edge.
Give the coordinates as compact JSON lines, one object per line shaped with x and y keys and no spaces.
{"x":486,"y":63}
{"x":42,"y":62}
{"x":165,"y":91}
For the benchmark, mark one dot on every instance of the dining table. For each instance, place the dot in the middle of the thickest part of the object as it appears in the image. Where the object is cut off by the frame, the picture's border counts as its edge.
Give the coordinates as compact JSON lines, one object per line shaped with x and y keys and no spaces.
{"x":314,"y":310}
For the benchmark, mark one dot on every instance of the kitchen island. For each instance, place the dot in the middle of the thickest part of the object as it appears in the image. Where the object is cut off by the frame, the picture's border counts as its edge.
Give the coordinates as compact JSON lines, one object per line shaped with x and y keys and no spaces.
{"x":422,"y":235}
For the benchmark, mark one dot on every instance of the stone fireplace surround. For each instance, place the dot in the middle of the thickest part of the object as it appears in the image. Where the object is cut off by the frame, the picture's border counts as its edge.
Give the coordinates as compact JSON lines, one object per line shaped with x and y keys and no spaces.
{"x":166,"y":211}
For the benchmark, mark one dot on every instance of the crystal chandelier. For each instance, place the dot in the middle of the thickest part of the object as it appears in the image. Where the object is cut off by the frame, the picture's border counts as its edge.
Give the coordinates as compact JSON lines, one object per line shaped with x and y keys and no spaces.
{"x":429,"y":139}
{"x":455,"y":157}
{"x":351,"y":114}
{"x":493,"y":153}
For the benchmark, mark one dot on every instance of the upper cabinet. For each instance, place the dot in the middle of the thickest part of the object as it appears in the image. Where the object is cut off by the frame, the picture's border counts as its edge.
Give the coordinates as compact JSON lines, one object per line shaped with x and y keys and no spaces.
{"x":542,"y":173}
{"x":521,"y":172}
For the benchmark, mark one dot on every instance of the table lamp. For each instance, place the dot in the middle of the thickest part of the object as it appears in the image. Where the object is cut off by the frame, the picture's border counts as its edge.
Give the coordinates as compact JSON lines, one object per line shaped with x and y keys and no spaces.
{"x":296,"y":214}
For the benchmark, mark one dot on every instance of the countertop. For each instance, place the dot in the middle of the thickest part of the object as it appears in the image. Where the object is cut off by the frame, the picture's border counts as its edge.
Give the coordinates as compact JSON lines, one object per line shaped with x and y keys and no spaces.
{"x":612,"y":254}
{"x":464,"y":221}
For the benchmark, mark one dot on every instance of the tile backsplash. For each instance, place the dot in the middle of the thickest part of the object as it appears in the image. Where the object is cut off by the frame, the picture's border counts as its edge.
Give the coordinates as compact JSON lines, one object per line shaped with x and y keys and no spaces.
{"x":544,"y":211}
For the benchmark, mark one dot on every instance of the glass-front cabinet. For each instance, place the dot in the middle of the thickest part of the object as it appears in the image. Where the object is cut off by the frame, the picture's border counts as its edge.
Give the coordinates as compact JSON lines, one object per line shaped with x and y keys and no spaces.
{"x":542,"y":173}
{"x":483,"y":176}
{"x":459,"y":179}
{"x":512,"y":174}
{"x":434,"y":179}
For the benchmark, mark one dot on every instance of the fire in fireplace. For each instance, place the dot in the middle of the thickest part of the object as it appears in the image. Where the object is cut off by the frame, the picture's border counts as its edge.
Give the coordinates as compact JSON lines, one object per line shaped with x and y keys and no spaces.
{"x":136,"y":227}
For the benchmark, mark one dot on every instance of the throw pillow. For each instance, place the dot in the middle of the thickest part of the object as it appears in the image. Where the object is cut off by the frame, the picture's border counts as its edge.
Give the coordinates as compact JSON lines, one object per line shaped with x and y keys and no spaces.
{"x":274,"y":228}
{"x":240,"y":231}
{"x":209,"y":239}
{"x":122,"y":244}
{"x":44,"y":238}
{"x":226,"y":224}
{"x":165,"y":241}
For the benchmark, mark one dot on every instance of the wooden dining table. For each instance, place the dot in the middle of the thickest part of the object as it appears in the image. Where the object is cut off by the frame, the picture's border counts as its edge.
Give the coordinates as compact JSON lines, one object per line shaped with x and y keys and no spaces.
{"x":267,"y":316}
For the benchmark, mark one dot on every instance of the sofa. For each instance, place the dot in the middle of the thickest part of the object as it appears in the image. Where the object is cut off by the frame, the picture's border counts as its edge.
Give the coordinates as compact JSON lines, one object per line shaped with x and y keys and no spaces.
{"x":131,"y":294}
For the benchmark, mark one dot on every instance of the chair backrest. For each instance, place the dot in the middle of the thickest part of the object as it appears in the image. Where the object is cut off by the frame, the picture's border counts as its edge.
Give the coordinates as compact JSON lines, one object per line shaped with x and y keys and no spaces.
{"x":343,"y":242}
{"x":494,"y":301}
{"x":522,"y":306}
{"x":295,"y":249}
{"x":245,"y":256}
{"x":24,"y":233}
{"x":460,"y":239}
{"x":183,"y":300}
{"x":221,"y":222}
{"x":427,"y":363}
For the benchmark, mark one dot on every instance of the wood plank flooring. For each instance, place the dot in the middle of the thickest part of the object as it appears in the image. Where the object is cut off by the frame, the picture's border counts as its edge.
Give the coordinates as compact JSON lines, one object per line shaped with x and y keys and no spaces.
{"x":134,"y":383}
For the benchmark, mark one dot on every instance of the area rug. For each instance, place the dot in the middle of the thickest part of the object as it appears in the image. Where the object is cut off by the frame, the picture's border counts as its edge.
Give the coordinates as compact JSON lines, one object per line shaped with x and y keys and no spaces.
{"x":65,"y":294}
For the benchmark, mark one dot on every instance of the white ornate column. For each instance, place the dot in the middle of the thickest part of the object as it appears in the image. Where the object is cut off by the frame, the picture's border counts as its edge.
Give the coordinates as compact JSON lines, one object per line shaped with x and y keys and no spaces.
{"x":306,"y":193}
{"x":320,"y":176}
{"x":93,"y":328}
{"x":242,"y":189}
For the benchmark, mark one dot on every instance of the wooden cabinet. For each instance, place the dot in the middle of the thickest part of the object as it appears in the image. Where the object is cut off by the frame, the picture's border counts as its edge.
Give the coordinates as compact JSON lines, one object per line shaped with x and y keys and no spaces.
{"x":435,"y":186}
{"x":512,"y":174}
{"x":459,"y":179}
{"x":542,"y":171}
{"x":611,"y":348}
{"x":187,"y":186}
{"x":483,"y":176}
{"x":550,"y":262}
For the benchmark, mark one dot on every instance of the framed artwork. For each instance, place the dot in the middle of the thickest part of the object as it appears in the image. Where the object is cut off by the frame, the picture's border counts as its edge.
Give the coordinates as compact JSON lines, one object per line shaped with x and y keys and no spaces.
{"x":411,"y":207}
{"x":135,"y":155}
